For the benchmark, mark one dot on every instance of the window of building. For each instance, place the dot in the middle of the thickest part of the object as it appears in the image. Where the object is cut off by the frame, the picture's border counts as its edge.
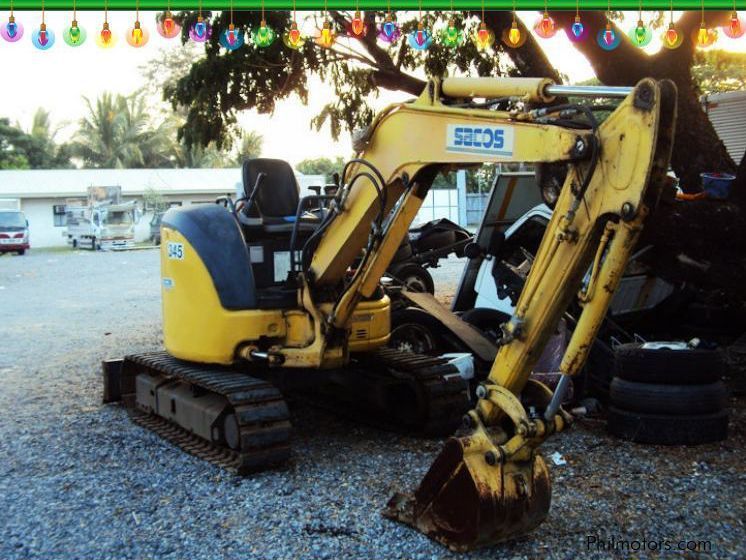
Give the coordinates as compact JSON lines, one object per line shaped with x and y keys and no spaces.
{"x":59,"y":215}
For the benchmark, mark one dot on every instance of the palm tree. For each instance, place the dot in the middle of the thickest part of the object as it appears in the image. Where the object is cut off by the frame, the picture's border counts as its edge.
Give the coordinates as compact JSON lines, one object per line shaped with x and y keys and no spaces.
{"x":250,"y":147}
{"x":118,"y":132}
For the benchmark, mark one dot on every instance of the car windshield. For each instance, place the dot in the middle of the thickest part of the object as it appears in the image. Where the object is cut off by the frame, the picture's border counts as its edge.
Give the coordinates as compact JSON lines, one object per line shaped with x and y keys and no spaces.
{"x":118,"y":218}
{"x":12,"y":219}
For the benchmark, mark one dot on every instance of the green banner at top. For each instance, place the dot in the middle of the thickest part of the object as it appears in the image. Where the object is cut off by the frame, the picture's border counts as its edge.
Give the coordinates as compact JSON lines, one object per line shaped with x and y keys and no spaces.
{"x":374,"y":4}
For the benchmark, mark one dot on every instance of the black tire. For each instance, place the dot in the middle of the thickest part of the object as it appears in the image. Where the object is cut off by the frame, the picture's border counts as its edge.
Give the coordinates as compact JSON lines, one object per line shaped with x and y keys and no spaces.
{"x":75,"y":243}
{"x":668,"y":430}
{"x":681,"y":400}
{"x":415,"y":330}
{"x":414,"y":277}
{"x":21,"y":252}
{"x":487,"y":321}
{"x":668,"y":367}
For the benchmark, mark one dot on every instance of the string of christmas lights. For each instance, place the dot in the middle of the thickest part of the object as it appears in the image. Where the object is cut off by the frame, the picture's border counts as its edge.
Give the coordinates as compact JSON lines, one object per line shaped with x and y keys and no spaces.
{"x":386,"y":30}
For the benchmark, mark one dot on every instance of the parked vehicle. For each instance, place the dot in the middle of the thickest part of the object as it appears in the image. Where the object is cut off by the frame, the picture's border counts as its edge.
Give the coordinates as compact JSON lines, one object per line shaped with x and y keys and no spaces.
{"x":14,"y":233}
{"x":104,"y":223}
{"x":492,"y":280}
{"x":423,"y":248}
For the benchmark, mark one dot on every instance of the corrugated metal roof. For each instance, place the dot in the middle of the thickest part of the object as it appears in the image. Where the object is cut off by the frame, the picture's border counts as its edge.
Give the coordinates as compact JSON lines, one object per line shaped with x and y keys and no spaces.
{"x":727,"y":112}
{"x":43,"y":183}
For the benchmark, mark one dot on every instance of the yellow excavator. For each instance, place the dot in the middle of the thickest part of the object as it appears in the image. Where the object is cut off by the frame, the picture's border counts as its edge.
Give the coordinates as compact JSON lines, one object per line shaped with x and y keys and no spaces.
{"x":270,"y":287}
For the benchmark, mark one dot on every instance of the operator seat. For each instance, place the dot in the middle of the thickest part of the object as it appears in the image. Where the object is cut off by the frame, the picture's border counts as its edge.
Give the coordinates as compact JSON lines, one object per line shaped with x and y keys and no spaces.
{"x":275,"y":205}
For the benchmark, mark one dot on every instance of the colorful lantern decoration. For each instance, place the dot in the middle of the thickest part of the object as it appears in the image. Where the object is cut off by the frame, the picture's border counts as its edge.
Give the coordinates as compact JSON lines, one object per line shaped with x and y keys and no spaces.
{"x":326,"y":37}
{"x":452,"y":36}
{"x":513,"y":37}
{"x":734,"y":29}
{"x":544,"y":26}
{"x":640,"y":35}
{"x":357,"y":26}
{"x":293,"y":38}
{"x":672,"y":38}
{"x":389,"y":31}
{"x":607,"y":38}
{"x":11,"y":31}
{"x":577,"y":31}
{"x":105,"y":38}
{"x":484,"y":38}
{"x":167,"y":26}
{"x":421,"y":38}
{"x":74,"y":35}
{"x":704,"y":37}
{"x":231,"y":38}
{"x":43,"y":38}
{"x":200,"y":31}
{"x":263,"y":36}
{"x":137,"y":36}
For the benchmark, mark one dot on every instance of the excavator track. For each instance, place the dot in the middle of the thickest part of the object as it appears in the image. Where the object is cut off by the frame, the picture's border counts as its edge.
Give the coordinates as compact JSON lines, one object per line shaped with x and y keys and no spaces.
{"x":262,"y":425}
{"x":402,"y":391}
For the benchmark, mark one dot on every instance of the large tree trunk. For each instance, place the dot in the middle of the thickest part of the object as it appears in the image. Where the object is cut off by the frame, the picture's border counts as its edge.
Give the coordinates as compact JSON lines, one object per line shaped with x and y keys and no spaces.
{"x":704,"y":242}
{"x":697,"y":146}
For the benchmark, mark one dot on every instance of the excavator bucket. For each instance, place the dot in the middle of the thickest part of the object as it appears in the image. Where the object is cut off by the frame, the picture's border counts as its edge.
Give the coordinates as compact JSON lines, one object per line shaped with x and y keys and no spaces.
{"x":470,"y":499}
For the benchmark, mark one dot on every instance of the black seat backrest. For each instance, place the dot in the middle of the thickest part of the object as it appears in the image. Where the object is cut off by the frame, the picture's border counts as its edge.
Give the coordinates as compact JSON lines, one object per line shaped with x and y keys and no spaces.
{"x":278,"y":196}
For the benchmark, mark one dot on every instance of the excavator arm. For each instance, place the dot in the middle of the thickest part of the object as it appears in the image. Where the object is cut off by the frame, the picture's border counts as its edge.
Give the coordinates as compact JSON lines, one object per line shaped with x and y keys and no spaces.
{"x":491,"y":483}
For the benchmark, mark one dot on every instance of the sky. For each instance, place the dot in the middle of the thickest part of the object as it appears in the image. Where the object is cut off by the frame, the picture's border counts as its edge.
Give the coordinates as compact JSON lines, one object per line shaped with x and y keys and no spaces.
{"x":58,"y":78}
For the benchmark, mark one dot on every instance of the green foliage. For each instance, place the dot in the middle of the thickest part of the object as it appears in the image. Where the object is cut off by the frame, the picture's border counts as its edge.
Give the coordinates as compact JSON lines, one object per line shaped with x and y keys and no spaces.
{"x":221,"y":83}
{"x":123,"y":132}
{"x":250,"y":147}
{"x":118,"y":132}
{"x":153,"y":200}
{"x":35,"y":149}
{"x":719,"y":71}
{"x":321,"y":166}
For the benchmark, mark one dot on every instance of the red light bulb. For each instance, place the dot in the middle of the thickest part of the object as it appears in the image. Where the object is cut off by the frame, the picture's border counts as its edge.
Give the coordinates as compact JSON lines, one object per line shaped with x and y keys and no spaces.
{"x":672,"y":35}
{"x":357,"y":25}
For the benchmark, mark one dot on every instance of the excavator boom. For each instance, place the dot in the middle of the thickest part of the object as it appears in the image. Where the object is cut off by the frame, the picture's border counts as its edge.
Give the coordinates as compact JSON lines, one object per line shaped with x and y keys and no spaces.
{"x":491,"y":484}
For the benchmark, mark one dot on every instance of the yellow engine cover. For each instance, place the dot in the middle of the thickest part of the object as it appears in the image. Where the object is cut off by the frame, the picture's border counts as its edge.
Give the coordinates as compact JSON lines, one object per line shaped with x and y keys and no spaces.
{"x":197,"y":328}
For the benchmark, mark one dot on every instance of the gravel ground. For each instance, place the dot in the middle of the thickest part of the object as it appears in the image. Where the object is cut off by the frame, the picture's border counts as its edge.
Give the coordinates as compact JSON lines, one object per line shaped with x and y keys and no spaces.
{"x":78,"y":480}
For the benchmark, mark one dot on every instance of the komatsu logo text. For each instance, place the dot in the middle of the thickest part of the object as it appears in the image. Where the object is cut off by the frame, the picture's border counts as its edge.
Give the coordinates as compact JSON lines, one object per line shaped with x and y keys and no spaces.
{"x":484,"y":140}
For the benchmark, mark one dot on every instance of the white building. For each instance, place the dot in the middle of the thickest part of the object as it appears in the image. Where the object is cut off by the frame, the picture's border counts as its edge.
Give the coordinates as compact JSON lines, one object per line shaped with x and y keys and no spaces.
{"x":42,"y":194}
{"x":726,"y":111}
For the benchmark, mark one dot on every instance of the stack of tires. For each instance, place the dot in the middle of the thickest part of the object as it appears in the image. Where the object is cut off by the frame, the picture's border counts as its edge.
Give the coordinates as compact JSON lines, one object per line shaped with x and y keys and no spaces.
{"x":668,"y":396}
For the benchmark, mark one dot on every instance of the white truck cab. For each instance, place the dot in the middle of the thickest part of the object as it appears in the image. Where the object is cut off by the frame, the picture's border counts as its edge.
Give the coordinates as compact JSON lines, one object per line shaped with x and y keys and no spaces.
{"x":102,"y":226}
